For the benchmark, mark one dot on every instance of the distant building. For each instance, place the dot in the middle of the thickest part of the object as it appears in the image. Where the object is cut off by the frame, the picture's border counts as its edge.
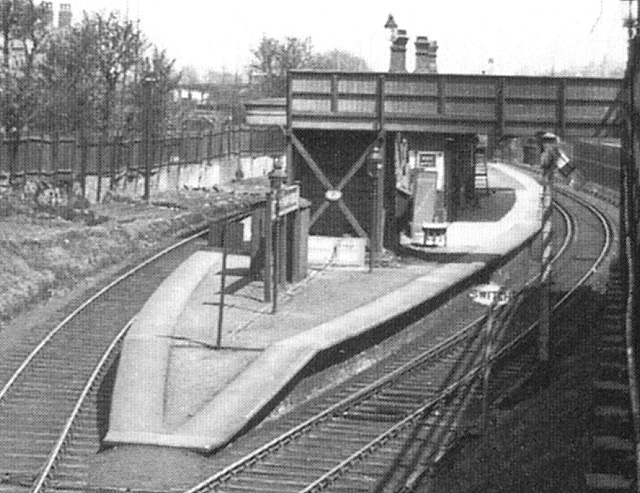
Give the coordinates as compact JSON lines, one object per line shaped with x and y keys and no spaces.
{"x":212,"y":102}
{"x":64,"y":16}
{"x":16,"y":46}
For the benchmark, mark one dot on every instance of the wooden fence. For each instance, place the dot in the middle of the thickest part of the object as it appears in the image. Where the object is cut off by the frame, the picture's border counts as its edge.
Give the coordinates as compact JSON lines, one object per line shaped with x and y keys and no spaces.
{"x":74,"y":158}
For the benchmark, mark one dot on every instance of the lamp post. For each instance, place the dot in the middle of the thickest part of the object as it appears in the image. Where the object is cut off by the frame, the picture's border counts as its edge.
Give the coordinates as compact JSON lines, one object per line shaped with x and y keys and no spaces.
{"x":630,"y":21}
{"x":375,"y":168}
{"x":148,"y":83}
{"x":392,"y":27}
{"x":277,"y":177}
{"x":237,"y":142}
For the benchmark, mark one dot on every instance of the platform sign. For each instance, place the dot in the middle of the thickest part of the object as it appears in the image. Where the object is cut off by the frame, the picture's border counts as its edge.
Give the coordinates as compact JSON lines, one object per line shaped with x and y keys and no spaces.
{"x":432,"y":161}
{"x":289,"y":200}
{"x":424,"y":200}
{"x":427,"y":160}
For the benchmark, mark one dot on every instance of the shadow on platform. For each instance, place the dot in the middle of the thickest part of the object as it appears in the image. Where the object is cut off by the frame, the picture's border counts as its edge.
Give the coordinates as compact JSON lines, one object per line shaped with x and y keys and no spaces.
{"x":491,"y":205}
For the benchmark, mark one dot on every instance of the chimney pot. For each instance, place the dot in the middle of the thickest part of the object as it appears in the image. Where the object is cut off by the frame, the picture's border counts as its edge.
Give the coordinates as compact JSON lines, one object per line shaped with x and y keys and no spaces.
{"x":398,"y":61}
{"x":426,"y":53}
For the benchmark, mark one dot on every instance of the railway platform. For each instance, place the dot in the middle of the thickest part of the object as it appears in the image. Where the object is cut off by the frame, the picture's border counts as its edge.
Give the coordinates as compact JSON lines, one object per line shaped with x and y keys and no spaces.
{"x":177,"y":387}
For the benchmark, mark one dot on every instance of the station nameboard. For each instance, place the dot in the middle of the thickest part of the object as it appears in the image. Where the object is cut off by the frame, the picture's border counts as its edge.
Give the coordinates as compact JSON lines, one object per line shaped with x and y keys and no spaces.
{"x":289,"y":200}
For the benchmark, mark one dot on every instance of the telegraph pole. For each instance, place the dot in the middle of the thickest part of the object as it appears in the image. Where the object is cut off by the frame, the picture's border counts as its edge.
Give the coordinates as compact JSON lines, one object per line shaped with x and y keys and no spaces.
{"x":546,"y":250}
{"x":628,"y":230}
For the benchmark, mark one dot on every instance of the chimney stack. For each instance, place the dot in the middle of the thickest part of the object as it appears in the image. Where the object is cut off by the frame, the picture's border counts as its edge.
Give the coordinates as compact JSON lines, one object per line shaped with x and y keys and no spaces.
{"x":398,"y":62}
{"x":426,"y":53}
{"x":64,"y":16}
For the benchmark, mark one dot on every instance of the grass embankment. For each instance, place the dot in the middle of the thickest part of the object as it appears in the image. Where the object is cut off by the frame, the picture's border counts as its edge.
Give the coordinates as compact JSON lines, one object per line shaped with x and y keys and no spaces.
{"x":46,"y":252}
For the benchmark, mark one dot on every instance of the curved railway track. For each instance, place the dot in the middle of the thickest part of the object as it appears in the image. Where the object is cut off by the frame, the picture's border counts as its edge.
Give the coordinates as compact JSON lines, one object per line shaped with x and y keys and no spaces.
{"x":50,"y":392}
{"x":52,"y":400}
{"x":382,"y":430}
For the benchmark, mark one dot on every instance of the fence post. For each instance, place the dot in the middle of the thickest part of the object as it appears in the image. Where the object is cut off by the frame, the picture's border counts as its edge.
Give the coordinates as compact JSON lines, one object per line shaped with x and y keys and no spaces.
{"x":2,"y":146}
{"x":127,"y":157}
{"x":53,"y":154}
{"x":99,"y":167}
{"x":40,"y":157}
{"x":162,"y":163}
{"x":23,"y":154}
{"x":154,"y":144}
{"x":181,"y":154}
{"x":239,"y":172}
{"x":210,"y":146}
{"x":198,"y":143}
{"x":251,"y":156}
{"x":22,"y":149}
{"x":115,"y":152}
{"x":229,"y":140}
{"x":13,"y":153}
{"x":81,"y":152}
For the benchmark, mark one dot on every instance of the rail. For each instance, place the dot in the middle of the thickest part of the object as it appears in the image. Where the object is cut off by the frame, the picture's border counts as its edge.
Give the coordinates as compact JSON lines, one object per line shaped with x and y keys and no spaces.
{"x":326,"y":478}
{"x":84,"y":305}
{"x":106,"y":343}
{"x":319,"y":484}
{"x":101,"y":367}
{"x":605,"y":250}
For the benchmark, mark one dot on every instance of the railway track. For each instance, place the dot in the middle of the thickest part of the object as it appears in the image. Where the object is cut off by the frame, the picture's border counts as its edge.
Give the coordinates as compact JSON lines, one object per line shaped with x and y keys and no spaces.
{"x":384,"y":429}
{"x":52,"y":400}
{"x":50,"y":395}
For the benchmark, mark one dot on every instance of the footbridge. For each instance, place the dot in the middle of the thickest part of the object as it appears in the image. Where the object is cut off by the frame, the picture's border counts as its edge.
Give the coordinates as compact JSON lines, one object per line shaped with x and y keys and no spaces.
{"x":333,"y":120}
{"x":444,"y":103}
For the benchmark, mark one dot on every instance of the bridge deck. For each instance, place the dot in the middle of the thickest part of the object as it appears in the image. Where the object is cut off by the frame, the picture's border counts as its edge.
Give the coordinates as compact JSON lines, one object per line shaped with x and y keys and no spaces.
{"x":445,"y":103}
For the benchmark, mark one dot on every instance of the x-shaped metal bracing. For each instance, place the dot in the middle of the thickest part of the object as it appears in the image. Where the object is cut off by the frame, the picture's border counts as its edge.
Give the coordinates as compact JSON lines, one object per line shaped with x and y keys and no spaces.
{"x":353,"y":221}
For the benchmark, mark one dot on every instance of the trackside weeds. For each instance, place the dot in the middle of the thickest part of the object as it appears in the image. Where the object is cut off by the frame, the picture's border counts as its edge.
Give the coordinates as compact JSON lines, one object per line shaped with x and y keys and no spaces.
{"x":46,"y":250}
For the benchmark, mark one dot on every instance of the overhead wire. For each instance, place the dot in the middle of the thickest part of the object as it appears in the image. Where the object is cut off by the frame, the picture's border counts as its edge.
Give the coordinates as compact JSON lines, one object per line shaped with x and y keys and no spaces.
{"x":597,"y":21}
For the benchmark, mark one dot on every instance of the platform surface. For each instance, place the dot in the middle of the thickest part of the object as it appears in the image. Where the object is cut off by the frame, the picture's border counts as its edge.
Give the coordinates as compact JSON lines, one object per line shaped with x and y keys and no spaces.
{"x":174,"y":387}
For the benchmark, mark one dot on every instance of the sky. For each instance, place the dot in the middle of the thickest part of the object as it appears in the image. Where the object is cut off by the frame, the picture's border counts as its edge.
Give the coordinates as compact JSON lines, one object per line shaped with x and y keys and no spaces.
{"x":521,"y":37}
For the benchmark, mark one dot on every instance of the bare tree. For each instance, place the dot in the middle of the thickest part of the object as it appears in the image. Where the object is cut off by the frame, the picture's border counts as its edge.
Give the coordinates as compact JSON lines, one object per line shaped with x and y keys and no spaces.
{"x":273,"y":58}
{"x":69,"y":75}
{"x":190,"y":75}
{"x":161,"y":70}
{"x":24,"y":29}
{"x":118,"y":45}
{"x":339,"y":60}
{"x":266,"y":55}
{"x":294,"y":53}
